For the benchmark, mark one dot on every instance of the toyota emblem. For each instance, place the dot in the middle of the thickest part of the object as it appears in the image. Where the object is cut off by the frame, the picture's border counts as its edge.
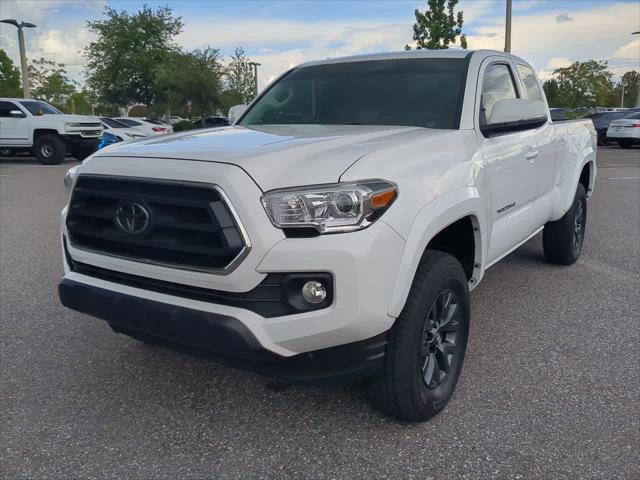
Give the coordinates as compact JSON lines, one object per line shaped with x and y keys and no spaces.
{"x":133,"y":218}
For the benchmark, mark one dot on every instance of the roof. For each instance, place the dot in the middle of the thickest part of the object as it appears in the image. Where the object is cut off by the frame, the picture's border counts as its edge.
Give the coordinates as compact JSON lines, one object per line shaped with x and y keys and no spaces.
{"x":445,"y":53}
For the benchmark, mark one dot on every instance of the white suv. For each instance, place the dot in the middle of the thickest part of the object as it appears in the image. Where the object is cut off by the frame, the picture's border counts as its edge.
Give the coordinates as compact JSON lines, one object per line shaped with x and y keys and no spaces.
{"x":36,"y":126}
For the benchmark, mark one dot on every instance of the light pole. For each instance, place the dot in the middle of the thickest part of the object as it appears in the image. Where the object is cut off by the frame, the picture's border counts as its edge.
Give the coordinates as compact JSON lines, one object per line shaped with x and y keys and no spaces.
{"x":23,"y":55}
{"x":507,"y":33}
{"x":638,"y":87}
{"x":255,"y":66}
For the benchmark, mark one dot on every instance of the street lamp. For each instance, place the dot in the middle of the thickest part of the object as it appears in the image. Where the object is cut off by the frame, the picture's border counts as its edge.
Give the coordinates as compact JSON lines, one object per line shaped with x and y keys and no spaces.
{"x":507,"y":28}
{"x":638,"y":91}
{"x":23,"y":55}
{"x":255,"y":66}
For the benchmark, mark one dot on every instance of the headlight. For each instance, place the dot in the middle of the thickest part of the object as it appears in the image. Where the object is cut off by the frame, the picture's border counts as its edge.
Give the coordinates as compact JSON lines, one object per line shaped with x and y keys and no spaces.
{"x":71,"y":124}
{"x":341,"y":207}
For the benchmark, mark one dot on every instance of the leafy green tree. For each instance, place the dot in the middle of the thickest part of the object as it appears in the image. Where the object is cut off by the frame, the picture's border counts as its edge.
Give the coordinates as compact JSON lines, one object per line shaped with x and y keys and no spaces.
{"x":584,"y":84}
{"x":438,"y":26}
{"x":122,"y":61}
{"x":49,"y":81}
{"x":189,"y":82}
{"x":552,"y":92}
{"x":239,"y":78}
{"x":630,"y":82}
{"x":10,"y":84}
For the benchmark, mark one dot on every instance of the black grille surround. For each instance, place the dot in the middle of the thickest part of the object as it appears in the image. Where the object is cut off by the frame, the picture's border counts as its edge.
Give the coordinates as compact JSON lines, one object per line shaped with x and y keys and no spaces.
{"x":191,"y":225}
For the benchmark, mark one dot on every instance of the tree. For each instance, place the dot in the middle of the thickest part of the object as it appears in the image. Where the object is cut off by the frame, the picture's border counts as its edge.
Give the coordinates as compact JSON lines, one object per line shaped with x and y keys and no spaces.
{"x":584,"y":84}
{"x":189,"y":81}
{"x":630,"y":82}
{"x":438,"y":27}
{"x":122,"y":61}
{"x":10,"y":85}
{"x":552,"y":92}
{"x":49,"y":82}
{"x":239,"y":78}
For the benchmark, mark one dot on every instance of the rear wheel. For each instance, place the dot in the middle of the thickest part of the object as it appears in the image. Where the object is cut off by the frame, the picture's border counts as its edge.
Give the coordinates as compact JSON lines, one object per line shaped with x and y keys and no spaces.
{"x":562,"y":239}
{"x":49,"y":149}
{"x":624,"y":143}
{"x":7,"y":152}
{"x":427,"y":344}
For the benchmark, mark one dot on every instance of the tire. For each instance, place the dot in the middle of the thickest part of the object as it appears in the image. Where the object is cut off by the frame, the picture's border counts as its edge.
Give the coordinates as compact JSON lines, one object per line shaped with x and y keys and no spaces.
{"x":562,"y":239}
{"x":80,"y":153}
{"x":624,"y":143}
{"x":49,"y":149}
{"x":410,"y":386}
{"x":7,"y":152}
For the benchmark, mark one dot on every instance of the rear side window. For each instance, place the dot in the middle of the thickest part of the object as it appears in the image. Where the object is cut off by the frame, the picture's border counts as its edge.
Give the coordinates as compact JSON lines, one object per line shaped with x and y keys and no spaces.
{"x":6,"y":107}
{"x":531,"y":87}
{"x":633,"y":116}
{"x":497,"y":84}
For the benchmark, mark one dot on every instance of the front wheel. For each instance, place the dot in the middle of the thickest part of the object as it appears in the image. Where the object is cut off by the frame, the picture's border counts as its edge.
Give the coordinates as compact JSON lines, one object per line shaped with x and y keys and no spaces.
{"x":49,"y":149}
{"x":427,"y":344}
{"x":7,"y":152}
{"x":562,"y":240}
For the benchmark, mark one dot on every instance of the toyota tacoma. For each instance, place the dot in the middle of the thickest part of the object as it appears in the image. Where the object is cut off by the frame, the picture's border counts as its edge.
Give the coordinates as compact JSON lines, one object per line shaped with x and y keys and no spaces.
{"x":335,"y":230}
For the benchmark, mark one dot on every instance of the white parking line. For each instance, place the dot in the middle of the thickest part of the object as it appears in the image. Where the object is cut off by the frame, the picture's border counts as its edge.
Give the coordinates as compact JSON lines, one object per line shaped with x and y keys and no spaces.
{"x":623,"y":178}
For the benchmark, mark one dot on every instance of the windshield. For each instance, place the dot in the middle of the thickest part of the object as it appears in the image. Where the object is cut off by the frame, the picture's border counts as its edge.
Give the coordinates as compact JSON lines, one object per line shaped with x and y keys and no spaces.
{"x":35,"y":106}
{"x":406,"y":92}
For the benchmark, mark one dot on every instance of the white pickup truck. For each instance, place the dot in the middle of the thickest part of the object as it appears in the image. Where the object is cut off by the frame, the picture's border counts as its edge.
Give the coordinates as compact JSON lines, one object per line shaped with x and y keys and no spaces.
{"x":336,"y":229}
{"x":37,"y":127}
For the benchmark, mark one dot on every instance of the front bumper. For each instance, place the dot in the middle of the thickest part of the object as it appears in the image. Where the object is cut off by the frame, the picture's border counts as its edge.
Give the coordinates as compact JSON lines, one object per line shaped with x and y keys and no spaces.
{"x":363,"y":265}
{"x":220,"y":336}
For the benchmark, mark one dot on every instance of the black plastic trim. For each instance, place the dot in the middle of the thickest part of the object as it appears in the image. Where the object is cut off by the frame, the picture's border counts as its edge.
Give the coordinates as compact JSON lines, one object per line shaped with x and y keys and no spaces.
{"x":220,"y":337}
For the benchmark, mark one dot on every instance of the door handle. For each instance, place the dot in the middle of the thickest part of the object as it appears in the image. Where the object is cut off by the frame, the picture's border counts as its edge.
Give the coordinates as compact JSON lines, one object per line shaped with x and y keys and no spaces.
{"x":531,"y":154}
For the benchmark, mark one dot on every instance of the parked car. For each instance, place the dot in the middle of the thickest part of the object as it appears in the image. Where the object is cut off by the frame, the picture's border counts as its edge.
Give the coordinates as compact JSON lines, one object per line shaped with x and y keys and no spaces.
{"x":46,"y":132}
{"x":150,"y":127}
{"x":211,"y":122}
{"x":173,"y":119}
{"x":625,"y":131}
{"x":121,"y":131}
{"x":601,"y":123}
{"x":335,"y":231}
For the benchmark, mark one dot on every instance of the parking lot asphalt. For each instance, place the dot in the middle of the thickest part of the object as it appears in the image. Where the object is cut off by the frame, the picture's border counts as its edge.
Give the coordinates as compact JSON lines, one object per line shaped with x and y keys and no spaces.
{"x":550,"y":386}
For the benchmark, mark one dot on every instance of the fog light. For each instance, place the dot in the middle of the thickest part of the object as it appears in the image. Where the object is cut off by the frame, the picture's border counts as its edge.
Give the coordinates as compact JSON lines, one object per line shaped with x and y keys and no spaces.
{"x":314,"y":292}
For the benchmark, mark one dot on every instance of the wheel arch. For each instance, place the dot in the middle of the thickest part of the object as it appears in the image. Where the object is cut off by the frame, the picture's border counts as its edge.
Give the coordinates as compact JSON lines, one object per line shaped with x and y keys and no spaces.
{"x":436,"y":225}
{"x":38,"y":132}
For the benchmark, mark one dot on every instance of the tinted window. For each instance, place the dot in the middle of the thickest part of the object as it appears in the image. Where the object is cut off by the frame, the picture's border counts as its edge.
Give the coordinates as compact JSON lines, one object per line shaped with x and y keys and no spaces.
{"x":36,"y":106}
{"x":113,"y":123}
{"x":531,"y":87}
{"x":6,"y":107}
{"x":129,"y":123}
{"x":497,"y":84}
{"x":412,"y":92}
{"x":633,"y":116}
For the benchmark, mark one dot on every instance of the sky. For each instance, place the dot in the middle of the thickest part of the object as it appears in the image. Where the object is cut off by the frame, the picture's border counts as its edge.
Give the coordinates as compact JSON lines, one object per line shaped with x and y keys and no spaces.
{"x":282,"y":34}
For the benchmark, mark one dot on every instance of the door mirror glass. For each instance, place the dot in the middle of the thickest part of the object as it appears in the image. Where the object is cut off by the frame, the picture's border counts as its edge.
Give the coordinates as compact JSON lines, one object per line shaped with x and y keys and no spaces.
{"x":17,"y":114}
{"x":236,"y":112}
{"x":514,"y":114}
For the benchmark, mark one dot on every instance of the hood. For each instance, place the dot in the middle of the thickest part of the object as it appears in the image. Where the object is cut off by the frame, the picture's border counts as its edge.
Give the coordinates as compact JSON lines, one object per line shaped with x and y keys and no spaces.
{"x":277,"y":156}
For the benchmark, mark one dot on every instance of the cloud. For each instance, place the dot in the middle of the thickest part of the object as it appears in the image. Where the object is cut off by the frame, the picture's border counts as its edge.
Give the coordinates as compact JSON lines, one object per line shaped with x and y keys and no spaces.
{"x":631,"y":50}
{"x":558,"y":62}
{"x":563,"y":17}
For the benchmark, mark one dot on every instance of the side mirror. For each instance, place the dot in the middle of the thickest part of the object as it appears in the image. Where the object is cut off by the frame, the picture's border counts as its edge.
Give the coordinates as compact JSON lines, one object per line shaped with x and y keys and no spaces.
{"x":17,"y":114}
{"x":236,"y":112}
{"x":514,"y":114}
{"x":40,"y":112}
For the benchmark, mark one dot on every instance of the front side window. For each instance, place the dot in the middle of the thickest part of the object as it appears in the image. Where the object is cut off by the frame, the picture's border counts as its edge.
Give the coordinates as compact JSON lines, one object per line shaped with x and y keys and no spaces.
{"x":497,"y":84}
{"x":36,"y":107}
{"x":425,"y":92}
{"x":531,"y":87}
{"x":6,"y":108}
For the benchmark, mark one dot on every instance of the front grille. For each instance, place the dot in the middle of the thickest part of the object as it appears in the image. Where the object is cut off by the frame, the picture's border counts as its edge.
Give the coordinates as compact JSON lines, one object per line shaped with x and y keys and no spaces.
{"x":186,"y":225}
{"x":89,"y":125}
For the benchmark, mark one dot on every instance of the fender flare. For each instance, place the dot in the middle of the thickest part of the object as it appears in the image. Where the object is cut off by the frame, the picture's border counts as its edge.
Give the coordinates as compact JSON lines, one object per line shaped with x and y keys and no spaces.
{"x":430,"y":220}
